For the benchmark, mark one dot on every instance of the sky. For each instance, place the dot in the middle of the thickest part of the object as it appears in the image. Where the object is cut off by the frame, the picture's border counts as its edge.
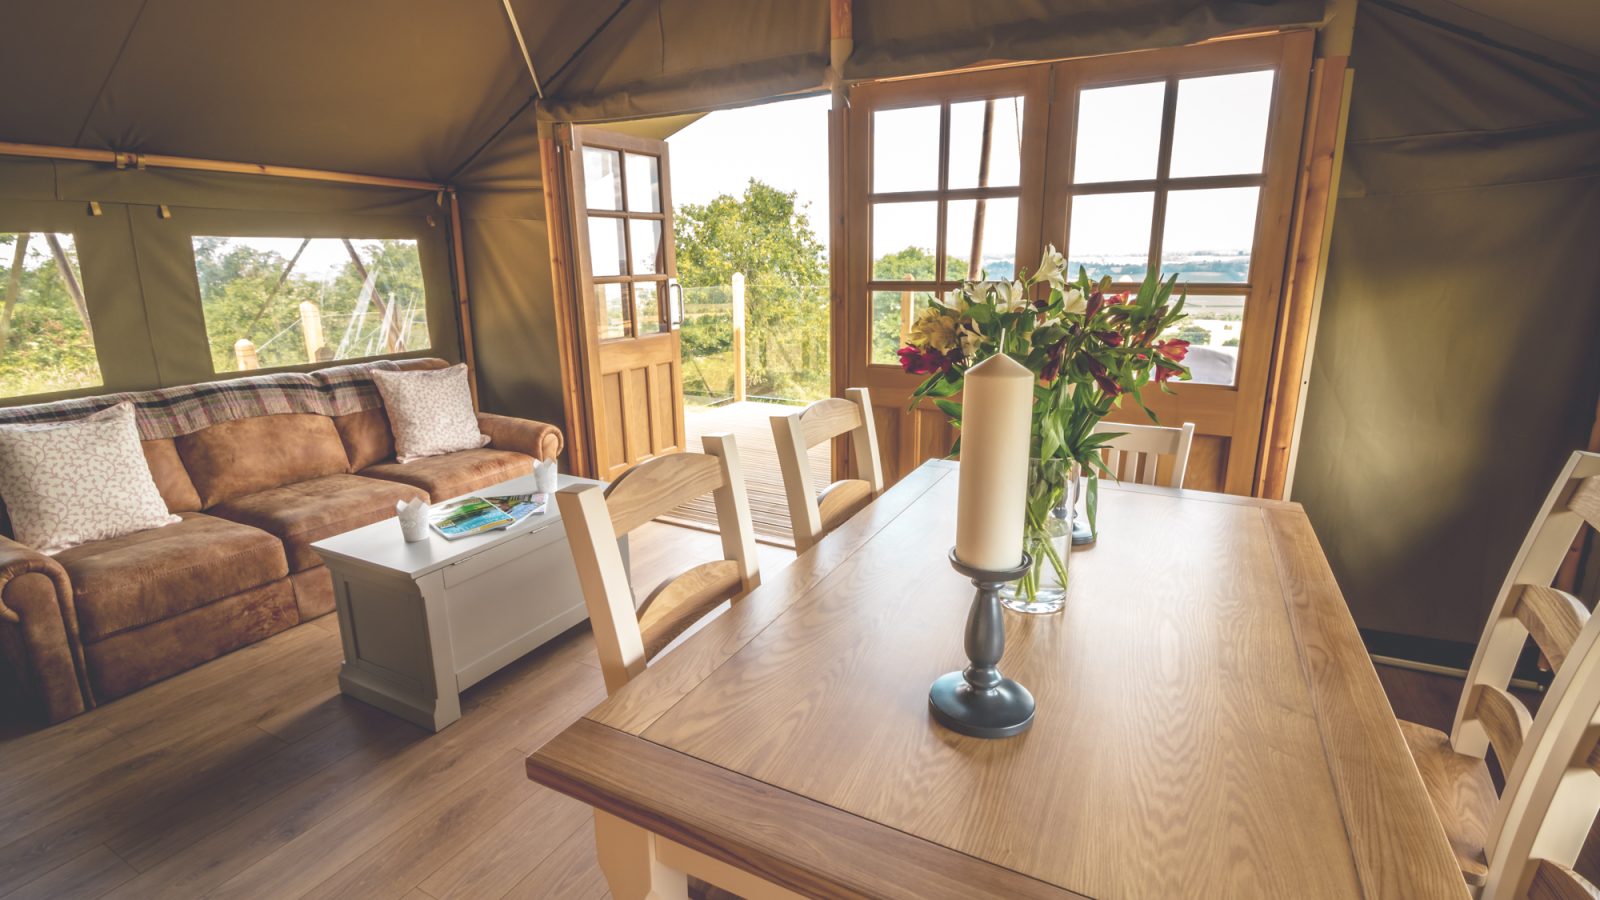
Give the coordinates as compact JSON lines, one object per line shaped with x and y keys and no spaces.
{"x":784,"y":144}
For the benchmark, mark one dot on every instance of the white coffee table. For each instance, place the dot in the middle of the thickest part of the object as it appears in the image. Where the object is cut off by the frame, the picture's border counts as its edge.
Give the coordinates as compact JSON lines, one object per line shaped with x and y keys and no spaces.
{"x":422,"y":622}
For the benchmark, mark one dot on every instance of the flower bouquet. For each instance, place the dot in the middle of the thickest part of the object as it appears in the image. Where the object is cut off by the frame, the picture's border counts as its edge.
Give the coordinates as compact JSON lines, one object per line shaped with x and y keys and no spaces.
{"x":1089,"y":347}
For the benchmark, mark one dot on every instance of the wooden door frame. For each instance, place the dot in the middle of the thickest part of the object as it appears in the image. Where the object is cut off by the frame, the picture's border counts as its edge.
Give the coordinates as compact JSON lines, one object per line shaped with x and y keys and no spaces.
{"x":555,"y":154}
{"x":1235,"y":410}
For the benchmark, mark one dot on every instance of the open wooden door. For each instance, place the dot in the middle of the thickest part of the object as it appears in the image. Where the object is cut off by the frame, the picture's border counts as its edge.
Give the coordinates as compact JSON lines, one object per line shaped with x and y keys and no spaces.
{"x":628,"y":307}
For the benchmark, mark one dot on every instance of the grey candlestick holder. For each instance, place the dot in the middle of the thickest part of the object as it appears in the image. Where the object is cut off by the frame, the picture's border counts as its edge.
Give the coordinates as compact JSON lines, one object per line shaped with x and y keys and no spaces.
{"x":978,"y":700}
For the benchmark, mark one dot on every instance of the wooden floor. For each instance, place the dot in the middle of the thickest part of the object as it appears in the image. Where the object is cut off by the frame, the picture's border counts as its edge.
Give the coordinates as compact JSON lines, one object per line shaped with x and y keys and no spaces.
{"x":750,"y":424}
{"x":252,"y":777}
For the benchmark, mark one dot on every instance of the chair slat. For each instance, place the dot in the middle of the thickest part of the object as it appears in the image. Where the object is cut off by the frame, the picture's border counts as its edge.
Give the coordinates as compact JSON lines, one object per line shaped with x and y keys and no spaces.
{"x":1586,"y":501}
{"x":658,"y":485}
{"x":1505,"y":719}
{"x":1553,"y":881}
{"x":828,"y":418}
{"x":841,"y":500}
{"x":1134,"y":455}
{"x":1553,"y":617}
{"x":682,"y":600}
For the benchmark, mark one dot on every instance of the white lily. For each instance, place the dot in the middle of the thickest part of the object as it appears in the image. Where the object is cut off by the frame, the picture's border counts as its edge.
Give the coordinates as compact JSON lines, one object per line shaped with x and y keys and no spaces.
{"x":1074,"y":302}
{"x":1012,"y":297}
{"x":954,"y":301}
{"x":1052,"y":268}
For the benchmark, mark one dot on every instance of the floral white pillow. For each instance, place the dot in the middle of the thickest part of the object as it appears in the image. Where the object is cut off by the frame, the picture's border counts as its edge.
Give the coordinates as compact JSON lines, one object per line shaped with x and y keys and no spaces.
{"x":430,"y":411}
{"x":69,"y":483}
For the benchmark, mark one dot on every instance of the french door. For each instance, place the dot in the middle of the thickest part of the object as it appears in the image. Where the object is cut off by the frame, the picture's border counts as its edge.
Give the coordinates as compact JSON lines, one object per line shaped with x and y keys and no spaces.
{"x":1177,"y":161}
{"x":627,"y":307}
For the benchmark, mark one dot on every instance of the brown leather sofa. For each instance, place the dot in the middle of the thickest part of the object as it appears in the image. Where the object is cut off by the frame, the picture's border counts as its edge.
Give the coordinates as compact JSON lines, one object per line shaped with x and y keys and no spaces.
{"x":106,"y":618}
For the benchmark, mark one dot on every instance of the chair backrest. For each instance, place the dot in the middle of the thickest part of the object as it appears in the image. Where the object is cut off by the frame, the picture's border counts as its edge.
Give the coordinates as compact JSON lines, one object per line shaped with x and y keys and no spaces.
{"x":1539,"y":754}
{"x":815,"y":513}
{"x":1135,"y":455}
{"x":626,"y":635}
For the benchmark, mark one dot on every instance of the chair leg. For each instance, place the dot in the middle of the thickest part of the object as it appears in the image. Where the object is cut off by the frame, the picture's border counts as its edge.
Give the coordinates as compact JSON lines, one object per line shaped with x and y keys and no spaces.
{"x":627,"y":855}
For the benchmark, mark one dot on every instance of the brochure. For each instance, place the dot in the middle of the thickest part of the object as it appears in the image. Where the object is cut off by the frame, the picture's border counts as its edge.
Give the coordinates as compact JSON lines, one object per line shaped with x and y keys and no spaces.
{"x":520,"y":506}
{"x":467,"y":516}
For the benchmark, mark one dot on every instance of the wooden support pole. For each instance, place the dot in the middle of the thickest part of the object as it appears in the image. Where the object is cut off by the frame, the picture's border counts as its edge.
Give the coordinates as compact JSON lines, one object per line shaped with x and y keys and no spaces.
{"x":13,"y":288}
{"x":463,"y":307}
{"x":738,"y":338}
{"x":979,"y":207}
{"x":160,"y":161}
{"x":907,"y":313}
{"x":311,"y":330}
{"x":841,"y":34}
{"x":392,"y":341}
{"x":244,"y":353}
{"x":70,"y":279}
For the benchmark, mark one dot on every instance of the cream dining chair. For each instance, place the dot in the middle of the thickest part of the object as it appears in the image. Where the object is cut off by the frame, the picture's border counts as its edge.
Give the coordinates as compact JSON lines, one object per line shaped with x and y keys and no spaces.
{"x":1134,"y":456}
{"x":1478,"y":820}
{"x":636,"y":863}
{"x":815,"y":513}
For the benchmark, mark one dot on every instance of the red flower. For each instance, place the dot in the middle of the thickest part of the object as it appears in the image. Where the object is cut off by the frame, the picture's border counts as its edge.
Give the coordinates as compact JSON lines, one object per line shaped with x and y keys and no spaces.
{"x":1102,"y":377}
{"x":1096,"y":300}
{"x":1109,"y":338}
{"x":923,"y":362}
{"x":1174,"y":350}
{"x":1164,"y":374}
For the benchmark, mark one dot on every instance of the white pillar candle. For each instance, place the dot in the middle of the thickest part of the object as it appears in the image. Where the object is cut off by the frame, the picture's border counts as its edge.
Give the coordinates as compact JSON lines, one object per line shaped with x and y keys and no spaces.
{"x":996,"y":412}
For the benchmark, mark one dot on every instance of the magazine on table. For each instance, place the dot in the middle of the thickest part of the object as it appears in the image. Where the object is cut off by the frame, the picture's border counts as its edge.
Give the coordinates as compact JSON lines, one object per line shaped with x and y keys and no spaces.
{"x":476,"y":515}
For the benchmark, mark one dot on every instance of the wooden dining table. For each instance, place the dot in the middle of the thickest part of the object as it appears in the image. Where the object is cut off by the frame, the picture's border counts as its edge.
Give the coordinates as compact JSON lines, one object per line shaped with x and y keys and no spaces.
{"x":1208,"y":724}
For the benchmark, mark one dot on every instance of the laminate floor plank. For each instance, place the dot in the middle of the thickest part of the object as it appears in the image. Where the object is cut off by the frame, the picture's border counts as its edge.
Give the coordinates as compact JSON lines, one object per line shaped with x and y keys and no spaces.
{"x":509,"y":849}
{"x":90,"y":874}
{"x":571,"y":872}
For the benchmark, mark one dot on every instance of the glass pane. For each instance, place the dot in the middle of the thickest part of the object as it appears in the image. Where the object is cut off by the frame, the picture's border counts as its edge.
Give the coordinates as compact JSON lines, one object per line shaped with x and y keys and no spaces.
{"x":1111,"y":235}
{"x":289,"y":301}
{"x":609,"y":311}
{"x":1005,"y":143}
{"x":1212,"y":330}
{"x":647,"y":303}
{"x":644,"y":183}
{"x":1221,"y":128}
{"x":606,"y":250}
{"x":892,"y":313}
{"x":647,"y":247}
{"x":905,"y":149}
{"x":602,"y":178}
{"x":49,"y":345}
{"x":1119,"y":132}
{"x":903,"y":236}
{"x":997,"y":249}
{"x":1209,"y":234}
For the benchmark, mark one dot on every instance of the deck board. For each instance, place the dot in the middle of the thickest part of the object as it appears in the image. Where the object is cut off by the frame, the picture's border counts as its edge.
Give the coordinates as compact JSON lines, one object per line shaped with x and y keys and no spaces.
{"x":749,"y":423}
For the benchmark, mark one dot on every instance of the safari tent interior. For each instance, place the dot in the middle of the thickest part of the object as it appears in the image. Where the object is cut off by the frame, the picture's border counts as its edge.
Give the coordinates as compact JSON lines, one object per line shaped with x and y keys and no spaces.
{"x":1331,"y":638}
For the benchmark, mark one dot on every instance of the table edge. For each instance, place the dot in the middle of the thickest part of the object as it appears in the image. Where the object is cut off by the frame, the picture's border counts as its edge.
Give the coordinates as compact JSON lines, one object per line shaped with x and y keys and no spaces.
{"x":793,"y":841}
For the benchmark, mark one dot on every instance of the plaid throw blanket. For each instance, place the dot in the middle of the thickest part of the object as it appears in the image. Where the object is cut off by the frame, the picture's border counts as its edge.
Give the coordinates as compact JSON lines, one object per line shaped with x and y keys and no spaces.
{"x":171,"y":412}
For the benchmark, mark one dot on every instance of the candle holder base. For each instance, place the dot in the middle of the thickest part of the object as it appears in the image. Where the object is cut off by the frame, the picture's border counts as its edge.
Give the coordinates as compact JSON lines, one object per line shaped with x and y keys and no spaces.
{"x":979,"y":701}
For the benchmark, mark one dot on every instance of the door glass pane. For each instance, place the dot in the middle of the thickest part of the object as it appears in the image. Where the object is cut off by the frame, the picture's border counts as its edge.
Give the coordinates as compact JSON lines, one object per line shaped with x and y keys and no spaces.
{"x":905,"y":149}
{"x":1111,"y":235}
{"x":1212,"y":329}
{"x":1209,"y":234}
{"x":49,"y":345}
{"x":647,"y":248}
{"x":997,"y":249}
{"x":1119,"y":132}
{"x":602,"y":178}
{"x":1005,"y":143}
{"x":1221,"y":128}
{"x":606,"y":249}
{"x":647,"y":305}
{"x":903,"y":236}
{"x":644,"y":183}
{"x":609,"y":311}
{"x":892,"y":314}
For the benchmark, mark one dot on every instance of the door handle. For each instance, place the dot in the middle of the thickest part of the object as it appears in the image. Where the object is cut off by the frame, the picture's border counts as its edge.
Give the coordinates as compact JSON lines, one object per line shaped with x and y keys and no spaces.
{"x":675,"y":304}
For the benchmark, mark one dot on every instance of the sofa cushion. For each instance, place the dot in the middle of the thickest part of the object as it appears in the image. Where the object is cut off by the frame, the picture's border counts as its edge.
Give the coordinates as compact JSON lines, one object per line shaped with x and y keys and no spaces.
{"x":171,"y":478}
{"x":454,"y":474}
{"x":246,"y":456}
{"x":430,"y":412}
{"x":148,"y":576}
{"x":308,"y":511}
{"x":366,"y":436}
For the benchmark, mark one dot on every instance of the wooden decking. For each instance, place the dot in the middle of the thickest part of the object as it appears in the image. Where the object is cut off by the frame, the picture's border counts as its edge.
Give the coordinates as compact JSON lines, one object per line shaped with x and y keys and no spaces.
{"x":750,"y":426}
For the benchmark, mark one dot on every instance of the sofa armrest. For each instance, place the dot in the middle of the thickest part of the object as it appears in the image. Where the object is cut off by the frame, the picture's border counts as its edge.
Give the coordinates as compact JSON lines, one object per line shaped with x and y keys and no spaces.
{"x":536,"y":439}
{"x":36,"y":601}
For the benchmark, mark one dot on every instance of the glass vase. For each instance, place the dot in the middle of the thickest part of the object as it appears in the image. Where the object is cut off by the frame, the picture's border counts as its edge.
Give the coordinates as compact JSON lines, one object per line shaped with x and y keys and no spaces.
{"x":1047,"y":536}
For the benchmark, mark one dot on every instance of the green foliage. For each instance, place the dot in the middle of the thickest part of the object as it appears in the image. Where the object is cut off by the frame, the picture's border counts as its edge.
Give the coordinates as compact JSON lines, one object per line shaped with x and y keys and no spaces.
{"x":765,"y":236}
{"x":46,"y":346}
{"x":1231,"y":342}
{"x":242,"y":298}
{"x":1194,"y":334}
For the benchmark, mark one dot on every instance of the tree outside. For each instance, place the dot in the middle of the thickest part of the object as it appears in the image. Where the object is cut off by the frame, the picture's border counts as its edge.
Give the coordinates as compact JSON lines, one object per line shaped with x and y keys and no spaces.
{"x":46,"y":338}
{"x":764,"y":235}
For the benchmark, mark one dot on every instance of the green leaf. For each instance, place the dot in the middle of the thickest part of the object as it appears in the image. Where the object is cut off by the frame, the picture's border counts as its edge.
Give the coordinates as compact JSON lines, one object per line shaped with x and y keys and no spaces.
{"x":950,"y":408}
